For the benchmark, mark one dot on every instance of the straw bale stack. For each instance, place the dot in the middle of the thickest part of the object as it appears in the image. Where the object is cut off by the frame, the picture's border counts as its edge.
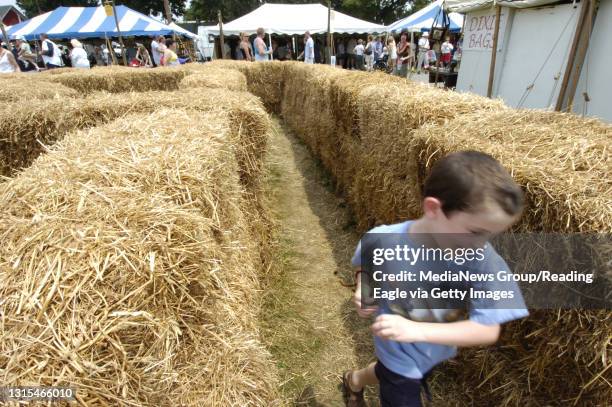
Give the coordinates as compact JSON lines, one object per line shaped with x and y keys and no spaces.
{"x":127,"y":268}
{"x":27,"y":128}
{"x":121,"y":79}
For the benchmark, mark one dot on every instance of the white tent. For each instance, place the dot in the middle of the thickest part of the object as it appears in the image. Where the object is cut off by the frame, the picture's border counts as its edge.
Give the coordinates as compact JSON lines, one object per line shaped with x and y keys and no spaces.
{"x":290,"y":19}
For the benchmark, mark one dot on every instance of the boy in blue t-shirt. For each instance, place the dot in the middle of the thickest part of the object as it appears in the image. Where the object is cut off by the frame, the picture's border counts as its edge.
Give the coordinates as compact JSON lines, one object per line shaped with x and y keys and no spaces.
{"x":467,"y":193}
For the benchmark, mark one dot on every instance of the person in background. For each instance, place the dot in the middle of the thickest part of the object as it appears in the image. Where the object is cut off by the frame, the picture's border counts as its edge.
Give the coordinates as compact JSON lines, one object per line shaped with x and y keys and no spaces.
{"x":261,"y":51}
{"x":446,"y":49}
{"x":359,"y":53}
{"x":309,"y":49}
{"x":51,"y":53}
{"x":244,"y":49}
{"x":156,"y":51}
{"x":170,"y":57}
{"x":403,"y":56}
{"x":423,"y":48}
{"x":318,"y":55}
{"x":369,"y":58}
{"x":25,"y":55}
{"x":341,"y":54}
{"x":392,"y":50}
{"x":350,"y":53}
{"x":8,"y":64}
{"x":78,"y":56}
{"x":377,"y":49}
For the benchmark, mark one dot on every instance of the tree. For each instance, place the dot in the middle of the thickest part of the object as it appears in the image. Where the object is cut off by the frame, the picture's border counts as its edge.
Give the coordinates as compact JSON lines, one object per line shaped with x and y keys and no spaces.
{"x":155,"y":7}
{"x":33,"y":8}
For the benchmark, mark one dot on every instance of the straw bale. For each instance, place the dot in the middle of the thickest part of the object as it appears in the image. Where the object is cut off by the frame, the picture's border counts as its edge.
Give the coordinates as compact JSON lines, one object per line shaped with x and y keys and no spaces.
{"x":24,"y":90}
{"x":127,"y":271}
{"x":216,"y":78}
{"x":121,"y":79}
{"x":562,"y":161}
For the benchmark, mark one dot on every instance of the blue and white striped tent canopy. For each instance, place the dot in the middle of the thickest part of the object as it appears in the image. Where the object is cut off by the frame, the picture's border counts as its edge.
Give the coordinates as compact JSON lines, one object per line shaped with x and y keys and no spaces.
{"x":88,"y":22}
{"x":427,"y":17}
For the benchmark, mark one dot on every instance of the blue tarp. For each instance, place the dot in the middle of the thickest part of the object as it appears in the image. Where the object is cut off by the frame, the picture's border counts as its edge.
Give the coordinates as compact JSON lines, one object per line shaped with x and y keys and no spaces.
{"x":88,"y":22}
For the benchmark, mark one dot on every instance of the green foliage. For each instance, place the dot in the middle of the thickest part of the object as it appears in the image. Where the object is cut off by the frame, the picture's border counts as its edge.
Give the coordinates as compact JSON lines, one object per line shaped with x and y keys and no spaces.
{"x":33,"y":8}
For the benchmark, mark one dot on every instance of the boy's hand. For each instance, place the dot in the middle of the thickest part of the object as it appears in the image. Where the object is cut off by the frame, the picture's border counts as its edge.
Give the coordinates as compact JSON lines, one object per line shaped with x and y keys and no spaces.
{"x":362,"y":312}
{"x":397,"y":328}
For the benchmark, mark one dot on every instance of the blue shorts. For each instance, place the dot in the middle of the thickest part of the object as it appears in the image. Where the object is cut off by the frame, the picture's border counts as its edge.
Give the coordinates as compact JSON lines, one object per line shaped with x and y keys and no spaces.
{"x":397,"y":390}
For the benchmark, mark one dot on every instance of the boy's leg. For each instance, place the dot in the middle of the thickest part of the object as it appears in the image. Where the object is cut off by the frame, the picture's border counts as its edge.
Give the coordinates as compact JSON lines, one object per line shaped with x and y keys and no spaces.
{"x":358,"y":379}
{"x":397,"y":390}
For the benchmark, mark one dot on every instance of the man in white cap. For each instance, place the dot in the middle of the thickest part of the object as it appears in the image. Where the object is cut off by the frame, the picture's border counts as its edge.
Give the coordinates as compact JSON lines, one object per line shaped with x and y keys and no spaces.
{"x":423,"y":48}
{"x":78,"y":56}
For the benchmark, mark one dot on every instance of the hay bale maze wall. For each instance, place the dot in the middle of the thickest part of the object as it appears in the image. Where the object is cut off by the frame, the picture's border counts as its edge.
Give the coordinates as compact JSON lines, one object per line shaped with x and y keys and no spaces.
{"x":134,"y":247}
{"x":379,"y":137}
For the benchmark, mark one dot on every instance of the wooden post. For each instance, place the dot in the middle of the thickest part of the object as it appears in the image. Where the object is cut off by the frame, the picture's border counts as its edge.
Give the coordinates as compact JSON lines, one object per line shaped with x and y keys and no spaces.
{"x":221,"y":38}
{"x":494,"y":52}
{"x":123,"y":56}
{"x":571,"y":58}
{"x":581,"y":52}
{"x":4,"y":34}
{"x":329,"y":46}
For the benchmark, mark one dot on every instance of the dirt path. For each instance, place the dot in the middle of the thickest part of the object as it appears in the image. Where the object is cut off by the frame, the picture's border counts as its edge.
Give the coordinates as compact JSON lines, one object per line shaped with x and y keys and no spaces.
{"x":309,"y":321}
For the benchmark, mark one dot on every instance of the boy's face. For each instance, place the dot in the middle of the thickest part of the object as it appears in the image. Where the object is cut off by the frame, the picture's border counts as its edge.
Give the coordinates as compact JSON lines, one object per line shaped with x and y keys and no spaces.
{"x":469,"y":229}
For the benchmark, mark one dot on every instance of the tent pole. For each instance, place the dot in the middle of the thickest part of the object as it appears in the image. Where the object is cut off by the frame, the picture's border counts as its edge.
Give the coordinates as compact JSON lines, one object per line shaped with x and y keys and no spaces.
{"x":270,"y":41}
{"x":584,"y":45}
{"x":571,"y":58}
{"x":123,"y":56}
{"x":494,"y":51}
{"x":329,"y":47}
{"x":4,"y":34}
{"x":221,"y":37}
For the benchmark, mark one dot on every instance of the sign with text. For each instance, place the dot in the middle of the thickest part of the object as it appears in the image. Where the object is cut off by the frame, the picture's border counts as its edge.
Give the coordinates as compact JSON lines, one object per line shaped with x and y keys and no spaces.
{"x":480,"y":28}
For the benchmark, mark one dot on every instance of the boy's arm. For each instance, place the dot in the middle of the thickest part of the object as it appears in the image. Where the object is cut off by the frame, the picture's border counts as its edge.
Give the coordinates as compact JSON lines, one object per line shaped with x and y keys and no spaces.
{"x":461,"y":333}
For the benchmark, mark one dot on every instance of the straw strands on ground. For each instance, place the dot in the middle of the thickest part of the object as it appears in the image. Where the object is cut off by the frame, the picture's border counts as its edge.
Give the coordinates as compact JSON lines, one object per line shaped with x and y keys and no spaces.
{"x":380,"y":141}
{"x":128,"y":271}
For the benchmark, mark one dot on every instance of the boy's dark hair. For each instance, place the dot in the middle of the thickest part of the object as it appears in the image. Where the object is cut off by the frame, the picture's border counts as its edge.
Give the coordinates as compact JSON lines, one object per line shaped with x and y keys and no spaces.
{"x":462,"y":181}
{"x":169,"y":43}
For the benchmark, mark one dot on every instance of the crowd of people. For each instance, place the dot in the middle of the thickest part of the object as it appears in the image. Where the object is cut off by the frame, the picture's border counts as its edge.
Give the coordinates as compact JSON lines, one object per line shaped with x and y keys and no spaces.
{"x":20,"y":56}
{"x":374,"y":52}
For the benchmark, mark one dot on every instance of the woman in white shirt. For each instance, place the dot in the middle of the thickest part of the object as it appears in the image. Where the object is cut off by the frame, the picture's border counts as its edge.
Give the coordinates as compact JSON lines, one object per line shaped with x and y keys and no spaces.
{"x":78,"y":56}
{"x":7,"y":62}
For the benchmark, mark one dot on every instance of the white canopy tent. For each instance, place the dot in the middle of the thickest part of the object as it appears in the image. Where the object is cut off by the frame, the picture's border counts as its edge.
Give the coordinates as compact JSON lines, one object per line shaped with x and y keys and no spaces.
{"x":295,"y":19}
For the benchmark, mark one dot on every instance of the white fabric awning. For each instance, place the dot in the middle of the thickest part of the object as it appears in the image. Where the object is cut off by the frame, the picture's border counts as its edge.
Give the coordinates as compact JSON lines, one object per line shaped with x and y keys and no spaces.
{"x":464,"y":6}
{"x":290,"y":19}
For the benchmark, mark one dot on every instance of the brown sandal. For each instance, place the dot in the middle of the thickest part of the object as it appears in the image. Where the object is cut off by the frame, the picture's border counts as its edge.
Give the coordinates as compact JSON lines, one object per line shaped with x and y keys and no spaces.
{"x":351,"y":398}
